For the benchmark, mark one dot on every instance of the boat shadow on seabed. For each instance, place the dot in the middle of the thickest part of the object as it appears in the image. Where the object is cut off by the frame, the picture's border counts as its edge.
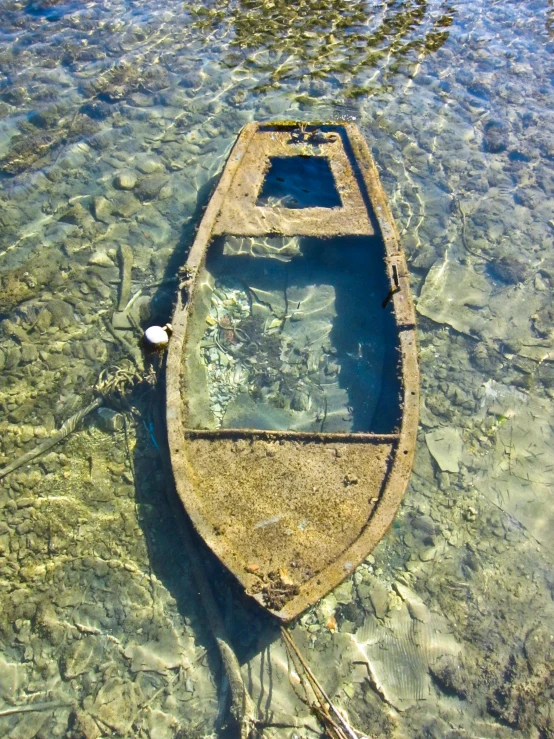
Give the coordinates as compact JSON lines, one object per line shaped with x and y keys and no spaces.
{"x":175,"y":552}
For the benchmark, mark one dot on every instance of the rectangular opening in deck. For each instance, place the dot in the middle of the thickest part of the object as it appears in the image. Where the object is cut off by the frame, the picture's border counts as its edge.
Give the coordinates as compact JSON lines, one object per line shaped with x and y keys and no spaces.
{"x":299,"y":182}
{"x":289,"y":334}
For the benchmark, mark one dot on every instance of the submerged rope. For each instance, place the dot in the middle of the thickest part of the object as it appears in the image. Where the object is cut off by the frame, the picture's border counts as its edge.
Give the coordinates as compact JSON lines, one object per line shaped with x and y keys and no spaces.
{"x":332,"y":720}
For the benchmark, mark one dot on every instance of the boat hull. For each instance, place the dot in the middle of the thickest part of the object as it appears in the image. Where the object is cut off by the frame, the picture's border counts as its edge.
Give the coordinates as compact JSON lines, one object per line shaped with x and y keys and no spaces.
{"x":292,"y":513}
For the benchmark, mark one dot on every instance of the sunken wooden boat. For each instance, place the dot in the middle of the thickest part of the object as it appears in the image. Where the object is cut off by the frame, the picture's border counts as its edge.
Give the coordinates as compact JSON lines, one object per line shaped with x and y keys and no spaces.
{"x":292,"y":372}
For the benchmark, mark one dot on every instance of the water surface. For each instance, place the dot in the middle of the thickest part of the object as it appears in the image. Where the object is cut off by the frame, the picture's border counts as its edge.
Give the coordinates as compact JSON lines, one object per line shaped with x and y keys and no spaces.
{"x":115,"y":119}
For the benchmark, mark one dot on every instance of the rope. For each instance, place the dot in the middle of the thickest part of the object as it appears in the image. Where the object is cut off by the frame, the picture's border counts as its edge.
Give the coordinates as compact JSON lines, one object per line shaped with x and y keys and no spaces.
{"x":332,"y":720}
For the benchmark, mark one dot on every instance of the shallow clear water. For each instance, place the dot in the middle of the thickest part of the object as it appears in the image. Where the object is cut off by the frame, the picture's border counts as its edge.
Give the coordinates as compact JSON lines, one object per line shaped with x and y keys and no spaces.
{"x":115,"y":118}
{"x":289,"y":333}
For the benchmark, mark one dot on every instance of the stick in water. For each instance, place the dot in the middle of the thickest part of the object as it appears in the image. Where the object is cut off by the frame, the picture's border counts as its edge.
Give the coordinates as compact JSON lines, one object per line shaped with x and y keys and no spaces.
{"x":67,"y":428}
{"x":33,"y":707}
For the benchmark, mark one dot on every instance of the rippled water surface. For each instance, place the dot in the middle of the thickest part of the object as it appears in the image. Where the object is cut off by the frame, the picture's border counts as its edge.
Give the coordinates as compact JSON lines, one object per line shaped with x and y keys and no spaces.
{"x":115,"y":119}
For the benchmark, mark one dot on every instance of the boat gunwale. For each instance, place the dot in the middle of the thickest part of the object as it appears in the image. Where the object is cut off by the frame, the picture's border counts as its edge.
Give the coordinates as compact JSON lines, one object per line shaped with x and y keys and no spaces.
{"x":396,"y":476}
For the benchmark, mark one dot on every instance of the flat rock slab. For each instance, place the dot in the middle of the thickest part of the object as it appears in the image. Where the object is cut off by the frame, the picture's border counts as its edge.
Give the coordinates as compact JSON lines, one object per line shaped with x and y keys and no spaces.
{"x":518,"y":473}
{"x":12,"y":676}
{"x":399,"y":657}
{"x":116,"y":703}
{"x":446,"y":447}
{"x":455,"y":295}
{"x":478,"y":306}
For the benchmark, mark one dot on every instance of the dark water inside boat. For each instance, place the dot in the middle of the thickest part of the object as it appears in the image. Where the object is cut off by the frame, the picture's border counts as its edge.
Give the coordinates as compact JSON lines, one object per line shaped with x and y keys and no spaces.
{"x":299,"y":182}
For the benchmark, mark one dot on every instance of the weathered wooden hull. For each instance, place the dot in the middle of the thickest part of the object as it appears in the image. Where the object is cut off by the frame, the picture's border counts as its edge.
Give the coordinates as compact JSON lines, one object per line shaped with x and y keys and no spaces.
{"x":292,"y":513}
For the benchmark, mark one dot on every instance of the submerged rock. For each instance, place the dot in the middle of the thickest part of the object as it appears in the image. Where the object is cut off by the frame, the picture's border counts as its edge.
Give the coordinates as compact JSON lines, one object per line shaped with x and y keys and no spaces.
{"x":162,"y":725}
{"x":79,"y":657}
{"x":125,"y":204}
{"x":115,"y":704}
{"x":343,"y":593}
{"x":379,"y":597}
{"x":102,"y":209}
{"x":424,"y":525}
{"x":30,"y":725}
{"x":495,"y":137}
{"x":125,"y":180}
{"x":61,"y":312}
{"x":77,"y":215}
{"x":149,"y":187}
{"x":147,"y":164}
{"x":450,"y":675}
{"x":300,"y":401}
{"x":509,"y":270}
{"x":11,"y":678}
{"x":101,"y":259}
{"x":156,"y":656}
{"x":245,"y":412}
{"x":110,"y":420}
{"x":96,"y":109}
{"x":400,"y":656}
{"x":84,"y":726}
{"x":445,"y":444}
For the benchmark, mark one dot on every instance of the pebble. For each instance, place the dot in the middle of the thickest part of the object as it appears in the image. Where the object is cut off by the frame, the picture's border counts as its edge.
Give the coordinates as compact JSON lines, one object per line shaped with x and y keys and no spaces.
{"x":84,"y":725}
{"x":29,"y":353}
{"x":121,"y":321}
{"x":148,"y":165}
{"x":61,"y":313}
{"x":110,"y":420}
{"x":125,"y":204}
{"x":470,"y":514}
{"x":350,"y":479}
{"x":101,"y":259}
{"x":427,"y":555}
{"x":78,"y":657}
{"x":116,"y":703}
{"x":150,"y":186}
{"x":379,"y":597}
{"x":540,"y":284}
{"x":343,"y":593}
{"x":445,"y":444}
{"x":425,"y":524}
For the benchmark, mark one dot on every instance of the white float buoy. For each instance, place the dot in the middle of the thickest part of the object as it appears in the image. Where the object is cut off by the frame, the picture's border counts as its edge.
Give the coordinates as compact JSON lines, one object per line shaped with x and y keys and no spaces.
{"x":157,"y":337}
